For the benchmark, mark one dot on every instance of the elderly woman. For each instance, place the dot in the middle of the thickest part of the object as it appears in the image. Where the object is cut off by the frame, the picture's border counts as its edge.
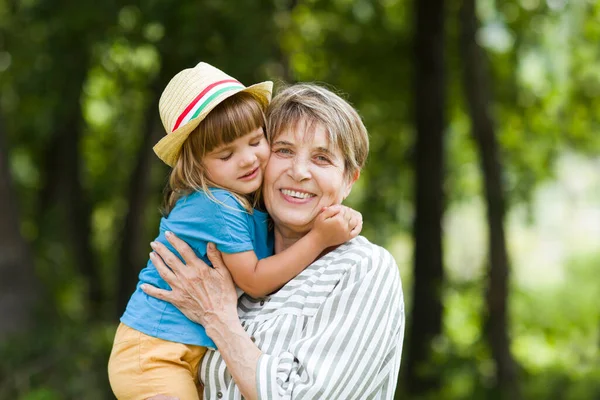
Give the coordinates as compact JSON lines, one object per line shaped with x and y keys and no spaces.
{"x":336,"y":330}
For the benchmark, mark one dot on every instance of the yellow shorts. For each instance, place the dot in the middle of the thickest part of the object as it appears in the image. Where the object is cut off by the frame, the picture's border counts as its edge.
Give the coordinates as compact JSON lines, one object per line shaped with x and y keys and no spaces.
{"x":142,"y":366}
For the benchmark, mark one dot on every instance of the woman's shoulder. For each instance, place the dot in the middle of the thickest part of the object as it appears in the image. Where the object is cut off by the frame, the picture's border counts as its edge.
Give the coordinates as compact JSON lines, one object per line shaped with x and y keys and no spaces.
{"x":363,"y":257}
{"x":360,"y":248}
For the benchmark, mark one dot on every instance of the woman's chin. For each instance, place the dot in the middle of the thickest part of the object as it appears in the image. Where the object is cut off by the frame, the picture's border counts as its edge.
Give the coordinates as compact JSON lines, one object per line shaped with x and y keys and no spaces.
{"x":295,"y":224}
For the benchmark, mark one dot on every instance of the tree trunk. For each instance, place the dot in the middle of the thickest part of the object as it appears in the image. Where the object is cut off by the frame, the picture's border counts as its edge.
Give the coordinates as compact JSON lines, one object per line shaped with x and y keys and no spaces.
{"x":77,"y":204}
{"x":284,"y":61}
{"x":18,"y":286}
{"x":427,"y":308}
{"x":131,"y":254}
{"x":478,"y":98}
{"x":62,"y":185}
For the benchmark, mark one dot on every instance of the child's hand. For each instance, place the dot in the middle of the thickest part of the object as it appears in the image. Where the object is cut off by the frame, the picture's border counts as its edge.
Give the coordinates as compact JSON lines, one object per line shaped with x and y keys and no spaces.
{"x":337,"y":224}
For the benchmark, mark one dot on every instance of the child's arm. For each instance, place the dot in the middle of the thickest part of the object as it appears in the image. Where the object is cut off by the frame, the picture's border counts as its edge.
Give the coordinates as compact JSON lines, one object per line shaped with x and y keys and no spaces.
{"x":335,"y":225}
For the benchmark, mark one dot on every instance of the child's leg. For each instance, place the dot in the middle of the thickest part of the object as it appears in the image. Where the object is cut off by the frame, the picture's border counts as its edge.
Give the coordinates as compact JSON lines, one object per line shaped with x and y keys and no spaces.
{"x":141,"y":366}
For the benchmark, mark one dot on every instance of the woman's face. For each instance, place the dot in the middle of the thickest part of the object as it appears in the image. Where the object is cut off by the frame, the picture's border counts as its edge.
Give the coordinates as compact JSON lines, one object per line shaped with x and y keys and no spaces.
{"x":305,"y":173}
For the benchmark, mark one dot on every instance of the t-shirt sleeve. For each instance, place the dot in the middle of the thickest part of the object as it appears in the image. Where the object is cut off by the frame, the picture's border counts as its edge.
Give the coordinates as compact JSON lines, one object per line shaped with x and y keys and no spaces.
{"x":198,"y":219}
{"x":234,"y":223}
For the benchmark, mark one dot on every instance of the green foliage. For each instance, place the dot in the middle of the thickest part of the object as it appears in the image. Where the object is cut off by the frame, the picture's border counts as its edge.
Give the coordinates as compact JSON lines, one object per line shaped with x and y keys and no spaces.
{"x":105,"y":63}
{"x":555,"y":338}
{"x":66,"y":361}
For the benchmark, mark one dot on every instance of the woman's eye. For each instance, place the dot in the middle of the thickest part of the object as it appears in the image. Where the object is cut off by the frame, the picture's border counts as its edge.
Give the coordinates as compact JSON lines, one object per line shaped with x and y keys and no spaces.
{"x":323,"y":159}
{"x":283,"y":151}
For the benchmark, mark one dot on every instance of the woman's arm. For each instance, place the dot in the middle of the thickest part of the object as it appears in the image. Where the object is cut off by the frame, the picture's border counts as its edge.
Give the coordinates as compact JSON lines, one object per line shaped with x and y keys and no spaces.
{"x":335,"y":225}
{"x":350,"y":349}
{"x":207,"y":296}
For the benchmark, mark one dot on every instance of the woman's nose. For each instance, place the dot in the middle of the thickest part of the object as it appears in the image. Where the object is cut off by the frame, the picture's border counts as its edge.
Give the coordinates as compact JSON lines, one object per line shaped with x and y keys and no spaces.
{"x":299,"y":170}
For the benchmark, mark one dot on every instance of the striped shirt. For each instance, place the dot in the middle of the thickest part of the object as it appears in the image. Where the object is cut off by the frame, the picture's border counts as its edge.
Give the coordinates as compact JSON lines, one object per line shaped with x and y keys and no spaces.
{"x":333,"y":332}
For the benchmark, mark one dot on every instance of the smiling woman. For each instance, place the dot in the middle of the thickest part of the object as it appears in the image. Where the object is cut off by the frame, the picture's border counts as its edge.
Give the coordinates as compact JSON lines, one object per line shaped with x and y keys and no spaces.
{"x":334,"y":331}
{"x":305,"y":174}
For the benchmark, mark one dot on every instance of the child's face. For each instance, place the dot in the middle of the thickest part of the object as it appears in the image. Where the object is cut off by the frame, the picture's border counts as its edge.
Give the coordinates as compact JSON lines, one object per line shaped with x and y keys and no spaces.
{"x":239,"y":166}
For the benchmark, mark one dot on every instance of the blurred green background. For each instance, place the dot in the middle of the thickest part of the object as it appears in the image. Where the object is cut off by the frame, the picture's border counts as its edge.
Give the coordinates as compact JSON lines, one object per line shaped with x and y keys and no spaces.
{"x":483,"y":178}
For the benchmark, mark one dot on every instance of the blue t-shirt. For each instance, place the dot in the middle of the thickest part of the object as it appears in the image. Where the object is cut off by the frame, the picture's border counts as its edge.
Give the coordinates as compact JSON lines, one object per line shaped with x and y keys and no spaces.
{"x":196,"y":219}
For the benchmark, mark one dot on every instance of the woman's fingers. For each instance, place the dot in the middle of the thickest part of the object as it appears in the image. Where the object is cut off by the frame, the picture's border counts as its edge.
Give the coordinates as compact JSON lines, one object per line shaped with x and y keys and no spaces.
{"x":162,"y":269}
{"x":215,"y":256}
{"x":157,"y":293}
{"x":168,"y":257}
{"x":184,"y":250}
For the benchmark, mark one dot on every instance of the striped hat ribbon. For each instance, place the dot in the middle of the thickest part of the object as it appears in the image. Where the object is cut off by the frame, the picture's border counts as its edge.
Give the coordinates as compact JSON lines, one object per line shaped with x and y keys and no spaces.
{"x":204,"y":98}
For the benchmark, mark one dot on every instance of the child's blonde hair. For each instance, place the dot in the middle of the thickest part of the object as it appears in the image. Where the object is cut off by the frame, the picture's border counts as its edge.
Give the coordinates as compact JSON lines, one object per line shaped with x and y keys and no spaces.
{"x":233,"y":118}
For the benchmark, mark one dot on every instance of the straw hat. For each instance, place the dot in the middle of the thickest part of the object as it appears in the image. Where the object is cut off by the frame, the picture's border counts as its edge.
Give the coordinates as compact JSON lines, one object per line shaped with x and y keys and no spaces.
{"x":190,"y":96}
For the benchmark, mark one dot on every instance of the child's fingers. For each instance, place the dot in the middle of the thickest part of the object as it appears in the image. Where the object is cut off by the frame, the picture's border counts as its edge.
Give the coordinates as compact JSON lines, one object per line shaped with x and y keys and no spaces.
{"x":350,"y":212}
{"x":357,"y":229}
{"x":352,"y":222}
{"x":354,"y":219}
{"x":330,"y":211}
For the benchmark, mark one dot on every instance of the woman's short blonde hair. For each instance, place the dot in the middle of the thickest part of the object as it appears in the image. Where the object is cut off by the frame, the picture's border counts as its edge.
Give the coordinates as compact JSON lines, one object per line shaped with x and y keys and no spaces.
{"x":310,"y":104}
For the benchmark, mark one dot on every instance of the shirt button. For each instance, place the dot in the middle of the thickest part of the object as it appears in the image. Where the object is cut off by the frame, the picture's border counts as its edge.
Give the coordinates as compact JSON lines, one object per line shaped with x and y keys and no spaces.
{"x":262,"y":302}
{"x":219,"y":394}
{"x":253,"y":338}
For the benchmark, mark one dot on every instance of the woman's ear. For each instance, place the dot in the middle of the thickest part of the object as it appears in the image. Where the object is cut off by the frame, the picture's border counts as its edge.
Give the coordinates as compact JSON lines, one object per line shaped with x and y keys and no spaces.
{"x":350,"y":183}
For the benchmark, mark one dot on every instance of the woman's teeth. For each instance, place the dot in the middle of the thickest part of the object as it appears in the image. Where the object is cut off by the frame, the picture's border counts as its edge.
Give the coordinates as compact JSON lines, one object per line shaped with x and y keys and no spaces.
{"x":298,"y":195}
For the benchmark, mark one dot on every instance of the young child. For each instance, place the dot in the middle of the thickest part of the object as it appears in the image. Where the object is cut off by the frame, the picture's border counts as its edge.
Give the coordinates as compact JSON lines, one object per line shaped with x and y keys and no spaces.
{"x":217,"y":147}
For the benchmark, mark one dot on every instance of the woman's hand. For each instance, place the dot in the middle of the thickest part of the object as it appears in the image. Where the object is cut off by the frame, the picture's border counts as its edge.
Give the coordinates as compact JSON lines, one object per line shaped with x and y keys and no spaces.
{"x":205,"y":295}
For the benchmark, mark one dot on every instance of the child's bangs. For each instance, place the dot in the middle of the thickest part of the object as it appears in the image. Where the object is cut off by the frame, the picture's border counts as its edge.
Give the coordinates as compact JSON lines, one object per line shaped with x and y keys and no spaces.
{"x":235,"y":117}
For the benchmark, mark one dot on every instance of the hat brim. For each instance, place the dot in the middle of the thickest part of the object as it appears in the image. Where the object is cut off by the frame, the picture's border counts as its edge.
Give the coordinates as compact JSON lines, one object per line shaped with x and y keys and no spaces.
{"x":168,"y":148}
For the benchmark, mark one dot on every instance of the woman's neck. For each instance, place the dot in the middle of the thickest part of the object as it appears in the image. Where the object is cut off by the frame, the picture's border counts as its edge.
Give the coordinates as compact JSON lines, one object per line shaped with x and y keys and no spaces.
{"x":284,"y":238}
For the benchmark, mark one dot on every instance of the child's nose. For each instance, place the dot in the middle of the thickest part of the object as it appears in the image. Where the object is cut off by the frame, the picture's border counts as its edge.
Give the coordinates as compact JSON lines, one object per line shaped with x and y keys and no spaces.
{"x":248,"y":158}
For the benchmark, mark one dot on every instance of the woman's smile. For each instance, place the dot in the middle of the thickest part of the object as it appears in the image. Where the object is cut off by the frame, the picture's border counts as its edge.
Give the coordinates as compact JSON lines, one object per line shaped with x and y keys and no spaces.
{"x":297,"y":196}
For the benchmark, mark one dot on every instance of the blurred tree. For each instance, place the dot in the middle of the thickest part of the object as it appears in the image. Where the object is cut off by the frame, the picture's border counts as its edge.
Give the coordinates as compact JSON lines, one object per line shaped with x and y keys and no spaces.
{"x":130,"y":259}
{"x":479,"y":102}
{"x":19,"y":287}
{"x":50,"y":74}
{"x":430,"y":122}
